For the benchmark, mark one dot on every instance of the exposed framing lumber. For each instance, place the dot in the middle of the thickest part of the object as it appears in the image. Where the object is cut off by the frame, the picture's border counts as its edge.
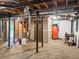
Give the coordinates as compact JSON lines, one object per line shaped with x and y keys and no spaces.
{"x":55,"y":2}
{"x":32,"y":7}
{"x":66,"y":2}
{"x":45,"y":4}
{"x":37,"y":6}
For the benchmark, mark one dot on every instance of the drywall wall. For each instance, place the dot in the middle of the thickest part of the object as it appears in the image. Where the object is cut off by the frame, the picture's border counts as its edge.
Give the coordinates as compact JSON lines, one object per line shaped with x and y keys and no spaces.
{"x":49,"y":29}
{"x":64,"y":26}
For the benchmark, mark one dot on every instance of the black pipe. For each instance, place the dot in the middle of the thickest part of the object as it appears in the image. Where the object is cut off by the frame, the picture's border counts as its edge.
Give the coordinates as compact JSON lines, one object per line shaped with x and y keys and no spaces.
{"x":37,"y":21}
{"x":42,"y":30}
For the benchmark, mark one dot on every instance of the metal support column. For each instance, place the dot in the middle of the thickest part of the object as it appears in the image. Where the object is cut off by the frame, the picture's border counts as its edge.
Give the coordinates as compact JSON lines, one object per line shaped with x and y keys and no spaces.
{"x":9,"y":32}
{"x":77,"y":25}
{"x":72,"y":26}
{"x":37,"y":20}
{"x":22,"y":27}
{"x":14,"y":30}
{"x":2,"y":32}
{"x":42,"y":31}
{"x":18,"y":30}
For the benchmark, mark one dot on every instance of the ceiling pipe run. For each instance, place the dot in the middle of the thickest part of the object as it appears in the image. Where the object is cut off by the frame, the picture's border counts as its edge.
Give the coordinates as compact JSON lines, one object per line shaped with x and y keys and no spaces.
{"x":29,"y":2}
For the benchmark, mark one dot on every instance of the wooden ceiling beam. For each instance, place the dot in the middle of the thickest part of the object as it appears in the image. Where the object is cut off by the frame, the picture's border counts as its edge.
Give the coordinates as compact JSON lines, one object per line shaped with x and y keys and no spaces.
{"x":55,"y":2}
{"x":45,"y":4}
{"x":31,"y":7}
{"x":37,"y":6}
{"x":66,"y":2}
{"x":21,"y":1}
{"x":7,"y":11}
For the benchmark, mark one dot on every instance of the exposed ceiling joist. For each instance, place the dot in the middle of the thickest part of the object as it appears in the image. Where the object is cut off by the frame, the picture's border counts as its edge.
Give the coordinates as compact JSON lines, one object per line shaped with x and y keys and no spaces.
{"x":37,"y":6}
{"x":55,"y":2}
{"x":66,"y":2}
{"x":10,"y":7}
{"x":45,"y":4}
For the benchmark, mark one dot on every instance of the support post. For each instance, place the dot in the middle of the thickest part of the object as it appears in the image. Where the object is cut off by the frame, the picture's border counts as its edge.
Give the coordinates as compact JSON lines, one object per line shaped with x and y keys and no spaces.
{"x":26,"y":30}
{"x":77,"y":25}
{"x":18,"y":30}
{"x":22,"y":27}
{"x":29,"y":28}
{"x":14,"y":30}
{"x":37,"y":20}
{"x":72,"y":26}
{"x":42,"y":31}
{"x":20,"y":41}
{"x":9,"y":32}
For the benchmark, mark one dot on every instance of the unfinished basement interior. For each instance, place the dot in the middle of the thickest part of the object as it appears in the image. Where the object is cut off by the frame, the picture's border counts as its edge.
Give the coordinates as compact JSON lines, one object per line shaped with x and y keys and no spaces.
{"x":39,"y":29}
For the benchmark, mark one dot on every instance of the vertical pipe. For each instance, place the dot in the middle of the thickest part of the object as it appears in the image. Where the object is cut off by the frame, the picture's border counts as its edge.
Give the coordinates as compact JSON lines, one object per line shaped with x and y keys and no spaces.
{"x":9,"y":32}
{"x":37,"y":20}
{"x":42,"y":31}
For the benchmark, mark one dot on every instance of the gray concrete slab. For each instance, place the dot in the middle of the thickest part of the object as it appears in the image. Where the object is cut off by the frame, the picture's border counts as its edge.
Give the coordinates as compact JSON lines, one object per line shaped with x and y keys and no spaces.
{"x":55,"y":49}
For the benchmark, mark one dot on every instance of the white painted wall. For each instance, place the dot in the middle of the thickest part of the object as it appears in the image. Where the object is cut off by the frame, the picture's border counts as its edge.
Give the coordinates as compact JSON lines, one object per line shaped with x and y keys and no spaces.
{"x":49,"y":29}
{"x":76,"y":34}
{"x":64,"y":26}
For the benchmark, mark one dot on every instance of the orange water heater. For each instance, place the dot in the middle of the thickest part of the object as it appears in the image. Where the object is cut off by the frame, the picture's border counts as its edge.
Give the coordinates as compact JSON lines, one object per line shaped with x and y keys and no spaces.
{"x":55,"y":31}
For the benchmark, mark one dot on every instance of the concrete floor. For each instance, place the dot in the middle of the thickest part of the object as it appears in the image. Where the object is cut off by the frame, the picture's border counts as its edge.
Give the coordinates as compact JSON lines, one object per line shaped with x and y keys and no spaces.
{"x":55,"y":49}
